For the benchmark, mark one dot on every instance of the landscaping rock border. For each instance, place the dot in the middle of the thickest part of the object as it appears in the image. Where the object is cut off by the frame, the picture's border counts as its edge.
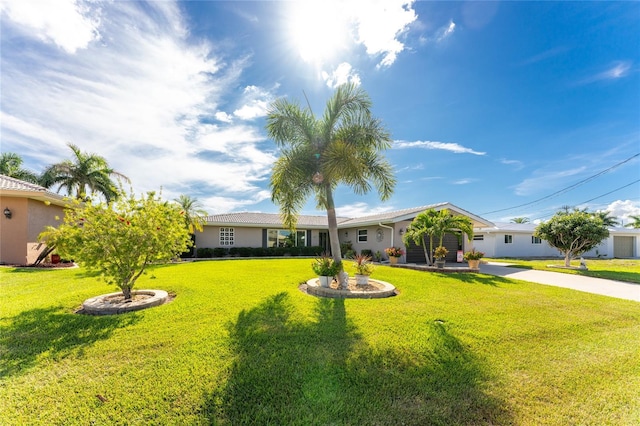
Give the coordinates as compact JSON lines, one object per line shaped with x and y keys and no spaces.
{"x":105,"y":305}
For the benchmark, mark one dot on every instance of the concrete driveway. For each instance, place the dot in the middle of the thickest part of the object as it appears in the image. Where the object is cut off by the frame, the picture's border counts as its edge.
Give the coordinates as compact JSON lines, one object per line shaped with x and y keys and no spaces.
{"x":619,"y":289}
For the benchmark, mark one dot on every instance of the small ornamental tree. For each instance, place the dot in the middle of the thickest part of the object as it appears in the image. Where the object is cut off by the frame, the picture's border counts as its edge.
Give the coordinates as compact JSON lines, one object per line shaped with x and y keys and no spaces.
{"x":121,"y":238}
{"x":572,"y":233}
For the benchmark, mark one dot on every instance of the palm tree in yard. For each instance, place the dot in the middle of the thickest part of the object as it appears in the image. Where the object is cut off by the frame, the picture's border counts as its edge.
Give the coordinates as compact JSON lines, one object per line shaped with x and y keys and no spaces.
{"x":317,"y":154}
{"x":11,"y":165}
{"x":422,"y":226}
{"x":520,"y":220}
{"x":446,"y":223}
{"x":83,"y":176}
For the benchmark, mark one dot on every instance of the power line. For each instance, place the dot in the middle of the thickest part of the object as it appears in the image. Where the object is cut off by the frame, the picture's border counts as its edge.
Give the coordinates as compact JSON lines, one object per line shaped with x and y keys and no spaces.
{"x":568,"y":188}
{"x":599,"y":196}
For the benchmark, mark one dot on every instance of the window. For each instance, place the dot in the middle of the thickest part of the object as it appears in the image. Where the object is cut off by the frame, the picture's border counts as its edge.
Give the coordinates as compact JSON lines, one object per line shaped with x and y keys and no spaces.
{"x":478,"y":238}
{"x":286,"y":238}
{"x":508,"y":239}
{"x":536,"y":240}
{"x":227,"y":236}
{"x":362,"y":235}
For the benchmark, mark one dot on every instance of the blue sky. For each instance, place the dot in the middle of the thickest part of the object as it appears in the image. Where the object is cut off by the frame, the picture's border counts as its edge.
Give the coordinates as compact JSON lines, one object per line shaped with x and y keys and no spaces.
{"x":490,"y":105}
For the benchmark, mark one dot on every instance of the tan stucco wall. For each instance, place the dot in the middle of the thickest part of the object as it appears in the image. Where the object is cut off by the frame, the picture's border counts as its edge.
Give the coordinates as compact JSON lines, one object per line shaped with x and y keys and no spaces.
{"x":243,"y":237}
{"x":19,"y":235}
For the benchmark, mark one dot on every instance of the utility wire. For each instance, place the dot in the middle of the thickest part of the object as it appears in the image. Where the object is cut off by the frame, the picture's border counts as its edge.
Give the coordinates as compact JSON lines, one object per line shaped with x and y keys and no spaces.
{"x":568,"y":188}
{"x":599,"y":196}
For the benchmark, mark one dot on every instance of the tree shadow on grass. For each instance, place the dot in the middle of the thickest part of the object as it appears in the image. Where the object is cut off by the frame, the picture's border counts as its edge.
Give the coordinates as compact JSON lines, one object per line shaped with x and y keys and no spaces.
{"x":485,"y":279}
{"x":289,"y":371}
{"x":51,"y":334}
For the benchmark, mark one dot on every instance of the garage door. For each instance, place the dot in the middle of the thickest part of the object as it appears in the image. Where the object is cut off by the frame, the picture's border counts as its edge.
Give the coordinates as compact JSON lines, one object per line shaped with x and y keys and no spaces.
{"x":623,"y":246}
{"x":415,"y":254}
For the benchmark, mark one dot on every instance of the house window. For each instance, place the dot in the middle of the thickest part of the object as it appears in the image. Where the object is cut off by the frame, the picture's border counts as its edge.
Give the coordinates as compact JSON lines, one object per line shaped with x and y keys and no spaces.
{"x":362,"y":235}
{"x":508,"y":239}
{"x":286,"y":238}
{"x":478,"y":238}
{"x":227,"y":236}
{"x":536,"y":240}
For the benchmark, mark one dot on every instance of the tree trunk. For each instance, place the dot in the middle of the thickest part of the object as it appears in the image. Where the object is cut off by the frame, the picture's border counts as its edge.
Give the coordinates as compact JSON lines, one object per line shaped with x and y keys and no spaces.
{"x":567,"y":259}
{"x":333,"y":237}
{"x":426,"y":254}
{"x":126,"y":291}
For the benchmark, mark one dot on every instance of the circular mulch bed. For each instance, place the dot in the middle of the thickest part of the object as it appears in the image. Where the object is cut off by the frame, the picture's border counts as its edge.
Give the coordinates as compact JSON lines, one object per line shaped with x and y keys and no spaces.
{"x":376,"y":289}
{"x":114,"y":303}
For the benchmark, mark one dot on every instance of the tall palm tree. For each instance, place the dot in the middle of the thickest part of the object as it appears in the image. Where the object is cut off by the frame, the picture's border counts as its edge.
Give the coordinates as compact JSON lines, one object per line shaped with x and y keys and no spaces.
{"x":635,"y":224}
{"x":318,"y":154}
{"x":608,"y":221}
{"x":87,"y":174}
{"x":192,"y":212}
{"x":422,"y":226}
{"x":520,"y":220}
{"x":11,"y":165}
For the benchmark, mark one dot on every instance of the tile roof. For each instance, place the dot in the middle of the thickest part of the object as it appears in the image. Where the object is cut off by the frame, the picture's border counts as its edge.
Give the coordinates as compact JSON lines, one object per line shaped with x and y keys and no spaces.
{"x":260,"y":219}
{"x":14,"y":184}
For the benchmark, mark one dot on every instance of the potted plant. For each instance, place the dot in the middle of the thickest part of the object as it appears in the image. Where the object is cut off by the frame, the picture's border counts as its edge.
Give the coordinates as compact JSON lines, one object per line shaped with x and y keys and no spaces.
{"x":394,"y":253}
{"x":326,"y":269}
{"x":473,"y":258}
{"x":364,"y":268}
{"x":439,"y":254}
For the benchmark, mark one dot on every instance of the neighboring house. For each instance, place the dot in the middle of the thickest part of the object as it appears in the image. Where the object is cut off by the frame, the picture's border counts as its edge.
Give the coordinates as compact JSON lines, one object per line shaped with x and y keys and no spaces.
{"x":374,"y":232}
{"x":517,"y":240}
{"x":26,"y":210}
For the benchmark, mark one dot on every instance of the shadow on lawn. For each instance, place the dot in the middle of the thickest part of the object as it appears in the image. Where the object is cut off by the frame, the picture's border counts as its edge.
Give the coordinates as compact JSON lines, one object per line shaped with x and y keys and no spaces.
{"x":486,"y":279}
{"x":292,"y":372}
{"x":51,"y":334}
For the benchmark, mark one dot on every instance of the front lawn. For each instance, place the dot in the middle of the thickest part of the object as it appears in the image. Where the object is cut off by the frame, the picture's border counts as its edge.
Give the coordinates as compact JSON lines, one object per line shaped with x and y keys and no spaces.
{"x":240,"y":344}
{"x":612,"y":269}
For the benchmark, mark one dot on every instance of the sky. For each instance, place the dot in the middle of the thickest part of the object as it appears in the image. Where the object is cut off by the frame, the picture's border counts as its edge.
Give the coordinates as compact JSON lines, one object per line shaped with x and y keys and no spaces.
{"x":504,"y":109}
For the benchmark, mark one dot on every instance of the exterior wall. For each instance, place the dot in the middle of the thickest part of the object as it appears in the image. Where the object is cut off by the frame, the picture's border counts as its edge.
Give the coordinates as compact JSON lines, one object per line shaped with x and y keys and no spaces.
{"x":243,"y":236}
{"x":372,"y":243}
{"x":40,"y":216}
{"x":19,"y":235}
{"x":13,"y":232}
{"x":493,"y":245}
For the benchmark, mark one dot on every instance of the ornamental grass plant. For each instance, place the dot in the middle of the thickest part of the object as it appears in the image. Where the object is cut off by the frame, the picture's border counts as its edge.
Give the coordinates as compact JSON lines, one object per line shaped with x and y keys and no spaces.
{"x":241,"y":344}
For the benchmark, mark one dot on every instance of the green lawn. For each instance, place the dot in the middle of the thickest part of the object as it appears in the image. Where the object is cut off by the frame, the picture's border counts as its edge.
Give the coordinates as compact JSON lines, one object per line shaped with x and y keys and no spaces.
{"x":240,"y":344}
{"x":613,"y":269}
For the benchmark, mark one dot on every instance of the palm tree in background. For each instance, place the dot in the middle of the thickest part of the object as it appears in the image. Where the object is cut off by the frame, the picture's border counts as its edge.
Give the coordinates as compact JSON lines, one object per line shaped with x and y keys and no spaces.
{"x":609,"y":221}
{"x":318,"y":154}
{"x":11,"y":165}
{"x":635,"y":224}
{"x":87,"y":174}
{"x":520,"y":220}
{"x":194,"y":215}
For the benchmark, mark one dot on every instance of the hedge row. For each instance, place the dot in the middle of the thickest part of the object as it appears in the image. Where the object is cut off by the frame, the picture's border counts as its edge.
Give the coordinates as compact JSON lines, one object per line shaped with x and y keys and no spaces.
{"x":208,"y":252}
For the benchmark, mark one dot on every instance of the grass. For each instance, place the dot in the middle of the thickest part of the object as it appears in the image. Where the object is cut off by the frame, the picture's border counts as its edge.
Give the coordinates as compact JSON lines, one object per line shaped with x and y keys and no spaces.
{"x":240,"y":344}
{"x":613,"y":269}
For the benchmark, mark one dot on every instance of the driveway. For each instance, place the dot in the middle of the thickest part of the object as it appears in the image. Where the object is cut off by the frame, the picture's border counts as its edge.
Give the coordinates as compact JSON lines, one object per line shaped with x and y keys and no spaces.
{"x":619,"y":289}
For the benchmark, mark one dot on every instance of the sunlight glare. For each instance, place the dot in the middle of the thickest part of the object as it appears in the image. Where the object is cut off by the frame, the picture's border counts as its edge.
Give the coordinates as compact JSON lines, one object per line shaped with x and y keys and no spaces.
{"x":317,"y":29}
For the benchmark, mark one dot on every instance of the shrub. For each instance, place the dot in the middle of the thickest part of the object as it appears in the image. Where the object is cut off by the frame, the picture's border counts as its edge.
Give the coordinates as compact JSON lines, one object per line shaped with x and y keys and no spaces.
{"x":219,"y":252}
{"x":363,"y":264}
{"x":473,"y":255}
{"x":205,"y":252}
{"x":325,"y":266}
{"x":394,"y":251}
{"x":367,"y":252}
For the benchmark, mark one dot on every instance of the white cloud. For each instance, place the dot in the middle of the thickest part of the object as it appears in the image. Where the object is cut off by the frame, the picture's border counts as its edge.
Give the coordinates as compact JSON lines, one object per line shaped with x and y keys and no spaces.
{"x":380,"y":24}
{"x":70,"y":24}
{"x":219,"y":205}
{"x":322,"y":31}
{"x":622,"y":209}
{"x":615,"y":71}
{"x":518,"y":165}
{"x":361,"y":209}
{"x":138,"y":98}
{"x":446,"y":146}
{"x":342,"y":74}
{"x":464,"y":181}
{"x":545,"y":179}
{"x":446,"y":32}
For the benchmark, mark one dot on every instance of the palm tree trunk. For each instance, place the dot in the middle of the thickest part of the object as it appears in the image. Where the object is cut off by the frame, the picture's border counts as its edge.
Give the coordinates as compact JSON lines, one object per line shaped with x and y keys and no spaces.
{"x":334,"y":240}
{"x":426,"y":254}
